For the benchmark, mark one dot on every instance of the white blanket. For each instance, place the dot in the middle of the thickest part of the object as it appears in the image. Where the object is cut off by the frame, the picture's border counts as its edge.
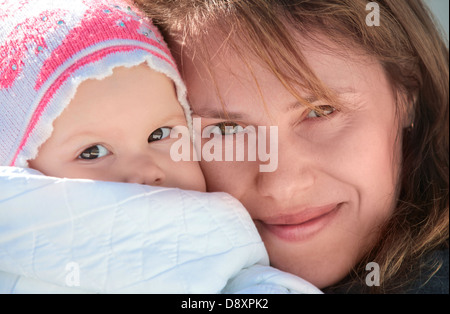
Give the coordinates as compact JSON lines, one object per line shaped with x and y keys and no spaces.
{"x":83,"y":236}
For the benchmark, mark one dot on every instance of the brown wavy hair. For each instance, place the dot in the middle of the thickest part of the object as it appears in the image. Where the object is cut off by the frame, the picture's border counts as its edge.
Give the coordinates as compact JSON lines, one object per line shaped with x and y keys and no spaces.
{"x":409,"y":45}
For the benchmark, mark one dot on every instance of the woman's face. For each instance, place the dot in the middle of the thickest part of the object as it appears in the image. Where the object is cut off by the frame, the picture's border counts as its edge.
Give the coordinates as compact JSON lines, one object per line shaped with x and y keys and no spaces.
{"x":336,"y":176}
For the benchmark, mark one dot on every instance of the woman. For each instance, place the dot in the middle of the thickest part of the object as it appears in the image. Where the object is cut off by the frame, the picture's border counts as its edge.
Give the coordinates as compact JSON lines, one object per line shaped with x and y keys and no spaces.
{"x":361,"y":110}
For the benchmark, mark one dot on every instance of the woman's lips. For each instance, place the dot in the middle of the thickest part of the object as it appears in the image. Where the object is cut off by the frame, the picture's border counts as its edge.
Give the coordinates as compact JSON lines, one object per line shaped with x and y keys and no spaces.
{"x":300,"y":226}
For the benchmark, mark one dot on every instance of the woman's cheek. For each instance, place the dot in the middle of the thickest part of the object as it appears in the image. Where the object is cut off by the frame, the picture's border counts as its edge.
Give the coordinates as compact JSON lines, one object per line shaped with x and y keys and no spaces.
{"x":215,"y":176}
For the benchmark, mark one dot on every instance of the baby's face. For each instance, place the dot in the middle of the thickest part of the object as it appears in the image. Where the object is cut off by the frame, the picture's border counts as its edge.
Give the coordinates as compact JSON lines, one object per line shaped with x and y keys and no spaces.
{"x":117,"y":129}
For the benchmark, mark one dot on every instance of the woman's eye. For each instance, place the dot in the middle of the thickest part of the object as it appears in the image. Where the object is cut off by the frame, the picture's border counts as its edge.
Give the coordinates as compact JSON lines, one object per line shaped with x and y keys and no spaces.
{"x":94,"y":152}
{"x":321,"y":111}
{"x":224,"y":128}
{"x":159,"y":134}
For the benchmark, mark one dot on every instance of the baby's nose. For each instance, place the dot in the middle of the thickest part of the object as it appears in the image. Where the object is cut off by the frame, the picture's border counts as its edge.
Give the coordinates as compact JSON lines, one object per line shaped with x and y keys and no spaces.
{"x":143,"y":170}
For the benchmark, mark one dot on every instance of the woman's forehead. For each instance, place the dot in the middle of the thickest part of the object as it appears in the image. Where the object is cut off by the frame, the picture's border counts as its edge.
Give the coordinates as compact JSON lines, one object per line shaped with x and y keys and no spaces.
{"x":234,"y":75}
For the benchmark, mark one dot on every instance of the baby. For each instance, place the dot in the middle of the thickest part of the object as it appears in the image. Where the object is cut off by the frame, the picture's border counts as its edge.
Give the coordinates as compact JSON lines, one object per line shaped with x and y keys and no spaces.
{"x":89,"y":90}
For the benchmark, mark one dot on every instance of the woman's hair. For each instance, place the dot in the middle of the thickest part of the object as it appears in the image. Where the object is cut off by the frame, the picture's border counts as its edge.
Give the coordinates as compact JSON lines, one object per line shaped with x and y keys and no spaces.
{"x":411,"y":49}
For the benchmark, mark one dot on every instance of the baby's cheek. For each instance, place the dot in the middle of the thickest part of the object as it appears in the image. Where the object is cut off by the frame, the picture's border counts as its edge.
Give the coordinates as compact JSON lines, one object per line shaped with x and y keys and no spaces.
{"x":189,"y":176}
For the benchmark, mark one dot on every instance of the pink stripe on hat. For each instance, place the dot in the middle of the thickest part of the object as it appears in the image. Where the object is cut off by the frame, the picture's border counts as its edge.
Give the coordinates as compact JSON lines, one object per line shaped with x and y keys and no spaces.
{"x":87,"y":34}
{"x":15,"y":50}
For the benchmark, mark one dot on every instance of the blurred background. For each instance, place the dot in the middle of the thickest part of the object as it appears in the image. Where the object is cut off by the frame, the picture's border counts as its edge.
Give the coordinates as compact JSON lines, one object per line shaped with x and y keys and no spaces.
{"x":440,"y":9}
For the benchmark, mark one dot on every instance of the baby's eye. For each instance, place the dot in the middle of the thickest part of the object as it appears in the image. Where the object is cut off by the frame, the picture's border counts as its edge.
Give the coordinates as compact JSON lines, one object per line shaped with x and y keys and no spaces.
{"x":321,"y":111}
{"x":224,"y":128}
{"x":159,"y":134}
{"x":94,"y":152}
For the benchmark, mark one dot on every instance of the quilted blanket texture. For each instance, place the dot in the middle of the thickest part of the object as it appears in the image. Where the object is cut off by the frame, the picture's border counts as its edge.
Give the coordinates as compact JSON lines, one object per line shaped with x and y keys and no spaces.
{"x":83,"y":236}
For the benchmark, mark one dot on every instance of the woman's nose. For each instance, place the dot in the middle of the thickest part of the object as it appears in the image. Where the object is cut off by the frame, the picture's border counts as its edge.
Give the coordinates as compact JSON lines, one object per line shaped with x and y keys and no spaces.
{"x":144,"y":170}
{"x":293,"y":175}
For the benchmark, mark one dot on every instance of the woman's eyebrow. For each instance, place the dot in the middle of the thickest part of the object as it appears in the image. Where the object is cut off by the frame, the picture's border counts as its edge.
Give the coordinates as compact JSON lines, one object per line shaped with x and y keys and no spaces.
{"x":219,"y":114}
{"x":214,"y":113}
{"x":339,"y":93}
{"x":297,"y":104}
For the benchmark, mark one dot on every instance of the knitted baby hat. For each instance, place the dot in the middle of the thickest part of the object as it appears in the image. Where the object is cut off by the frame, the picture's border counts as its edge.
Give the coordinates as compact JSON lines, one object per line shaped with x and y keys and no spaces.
{"x":49,"y":47}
